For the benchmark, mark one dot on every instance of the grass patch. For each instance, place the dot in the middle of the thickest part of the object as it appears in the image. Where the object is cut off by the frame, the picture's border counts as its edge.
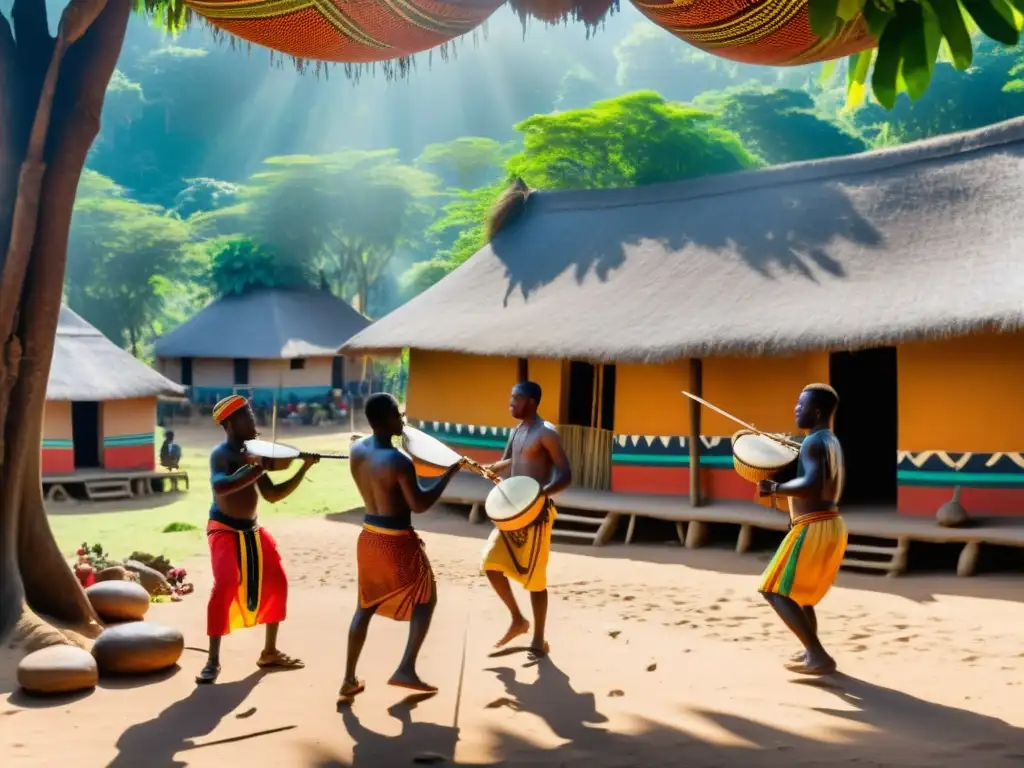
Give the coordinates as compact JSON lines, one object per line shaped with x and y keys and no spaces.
{"x":125,"y":527}
{"x":180,"y":527}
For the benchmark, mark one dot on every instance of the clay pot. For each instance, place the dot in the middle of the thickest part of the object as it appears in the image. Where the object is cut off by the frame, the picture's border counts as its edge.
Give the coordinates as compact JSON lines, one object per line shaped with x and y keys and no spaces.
{"x":952,"y":514}
{"x":113,"y":573}
{"x":118,"y":600}
{"x":137,"y":648}
{"x":58,"y":669}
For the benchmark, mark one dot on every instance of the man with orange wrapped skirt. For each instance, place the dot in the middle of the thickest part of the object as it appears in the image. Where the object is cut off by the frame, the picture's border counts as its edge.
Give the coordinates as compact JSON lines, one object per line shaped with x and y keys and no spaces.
{"x":249,"y":583}
{"x":395,"y":577}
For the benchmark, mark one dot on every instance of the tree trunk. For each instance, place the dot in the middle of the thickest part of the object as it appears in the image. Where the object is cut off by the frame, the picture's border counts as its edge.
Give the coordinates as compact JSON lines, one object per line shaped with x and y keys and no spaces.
{"x":60,"y":117}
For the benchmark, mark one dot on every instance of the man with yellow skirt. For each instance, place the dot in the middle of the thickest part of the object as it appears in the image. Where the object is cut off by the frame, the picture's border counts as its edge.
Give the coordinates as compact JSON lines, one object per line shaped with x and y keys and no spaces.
{"x":807,"y":563}
{"x":395,"y":577}
{"x":249,"y":583}
{"x":533,"y":450}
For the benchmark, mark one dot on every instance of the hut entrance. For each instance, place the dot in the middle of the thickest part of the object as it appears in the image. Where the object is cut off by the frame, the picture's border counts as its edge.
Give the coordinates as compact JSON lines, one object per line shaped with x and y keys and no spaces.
{"x":86,"y":435}
{"x":590,"y":420}
{"x":866,"y":423}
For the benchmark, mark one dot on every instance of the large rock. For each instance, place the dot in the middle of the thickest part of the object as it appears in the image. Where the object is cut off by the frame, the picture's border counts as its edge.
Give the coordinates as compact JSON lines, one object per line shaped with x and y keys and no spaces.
{"x":138,"y":647}
{"x":118,"y":600}
{"x":58,"y":669}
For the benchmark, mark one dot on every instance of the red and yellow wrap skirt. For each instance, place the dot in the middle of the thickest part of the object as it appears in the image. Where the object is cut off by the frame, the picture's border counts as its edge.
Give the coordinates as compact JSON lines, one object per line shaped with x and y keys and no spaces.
{"x":249,"y":583}
{"x":394,"y":573}
{"x":807,"y":562}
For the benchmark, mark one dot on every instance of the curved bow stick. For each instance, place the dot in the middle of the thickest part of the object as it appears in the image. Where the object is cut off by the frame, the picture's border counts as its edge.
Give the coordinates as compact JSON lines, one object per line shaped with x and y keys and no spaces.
{"x":777,"y":438}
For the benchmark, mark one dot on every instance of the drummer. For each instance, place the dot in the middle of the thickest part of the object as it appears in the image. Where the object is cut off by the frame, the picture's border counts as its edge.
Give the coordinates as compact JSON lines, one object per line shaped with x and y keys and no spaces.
{"x":395,"y":577}
{"x":249,"y":583}
{"x":534,"y":450}
{"x":807,"y":563}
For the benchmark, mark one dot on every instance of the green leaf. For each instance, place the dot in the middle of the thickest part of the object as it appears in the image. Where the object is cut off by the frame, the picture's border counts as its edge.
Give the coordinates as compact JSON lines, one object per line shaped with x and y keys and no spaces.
{"x":876,"y":18}
{"x":828,"y":71}
{"x":887,"y":64}
{"x":858,"y":67}
{"x":995,"y":18}
{"x":951,"y":22}
{"x":920,"y":46}
{"x":823,"y":15}
{"x":848,"y":9}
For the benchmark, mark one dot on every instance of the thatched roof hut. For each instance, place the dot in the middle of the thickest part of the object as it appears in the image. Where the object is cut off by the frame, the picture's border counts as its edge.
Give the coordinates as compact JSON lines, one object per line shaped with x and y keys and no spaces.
{"x":750,"y":286}
{"x":921,"y":241}
{"x":100,"y":403}
{"x":270,"y":344}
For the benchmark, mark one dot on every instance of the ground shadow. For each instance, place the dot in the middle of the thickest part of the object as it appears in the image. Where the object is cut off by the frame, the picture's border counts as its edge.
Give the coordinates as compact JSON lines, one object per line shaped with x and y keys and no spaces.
{"x":568,"y":713}
{"x":127,"y":682}
{"x":880,"y":727}
{"x":157,"y":741}
{"x":428,"y":741}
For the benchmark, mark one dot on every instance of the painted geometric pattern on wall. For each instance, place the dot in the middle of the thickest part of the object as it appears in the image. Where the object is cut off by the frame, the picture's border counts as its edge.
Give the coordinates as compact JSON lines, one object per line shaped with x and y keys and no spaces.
{"x":982,"y":470}
{"x":634,"y":450}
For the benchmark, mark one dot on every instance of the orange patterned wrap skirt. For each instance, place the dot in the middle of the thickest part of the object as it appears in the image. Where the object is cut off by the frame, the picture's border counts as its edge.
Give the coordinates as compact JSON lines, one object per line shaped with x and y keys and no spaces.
{"x":394,"y":573}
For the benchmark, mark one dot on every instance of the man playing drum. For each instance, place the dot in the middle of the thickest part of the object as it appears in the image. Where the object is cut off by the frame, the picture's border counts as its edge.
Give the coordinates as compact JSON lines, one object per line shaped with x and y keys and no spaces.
{"x":395,"y":577}
{"x":807,"y":563}
{"x":534,"y":450}
{"x":249,"y":584}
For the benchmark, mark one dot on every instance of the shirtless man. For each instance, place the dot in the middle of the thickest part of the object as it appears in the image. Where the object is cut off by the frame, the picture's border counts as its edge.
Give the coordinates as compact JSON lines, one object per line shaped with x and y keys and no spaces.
{"x":533,"y":450}
{"x":807,"y":563}
{"x":395,"y":577}
{"x":249,"y":583}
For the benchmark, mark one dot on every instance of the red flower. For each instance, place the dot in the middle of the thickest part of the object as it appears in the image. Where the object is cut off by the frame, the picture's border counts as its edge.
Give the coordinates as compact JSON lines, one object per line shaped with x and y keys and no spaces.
{"x":81,"y":551}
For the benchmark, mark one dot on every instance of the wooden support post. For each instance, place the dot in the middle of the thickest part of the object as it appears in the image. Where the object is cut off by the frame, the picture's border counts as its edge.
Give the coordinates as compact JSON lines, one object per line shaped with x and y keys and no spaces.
{"x":743,"y":541}
{"x":968,"y":562}
{"x":609,"y":526}
{"x":696,"y":381}
{"x":697,"y":534}
{"x":476,"y":513}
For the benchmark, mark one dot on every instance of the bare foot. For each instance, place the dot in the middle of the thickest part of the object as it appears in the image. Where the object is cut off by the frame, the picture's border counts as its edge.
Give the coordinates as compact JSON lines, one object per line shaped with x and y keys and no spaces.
{"x":813,"y":666}
{"x":409,"y":679}
{"x":518,"y":627}
{"x":275,"y":659}
{"x":538,"y":651}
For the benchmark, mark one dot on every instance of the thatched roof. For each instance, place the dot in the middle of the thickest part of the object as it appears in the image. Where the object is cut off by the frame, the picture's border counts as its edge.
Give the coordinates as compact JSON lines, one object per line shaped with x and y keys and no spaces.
{"x":923,"y":240}
{"x":89,"y":366}
{"x":266,"y":325}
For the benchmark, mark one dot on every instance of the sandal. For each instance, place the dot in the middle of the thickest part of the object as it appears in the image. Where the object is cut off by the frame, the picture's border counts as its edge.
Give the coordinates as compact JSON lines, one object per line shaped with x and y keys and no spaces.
{"x":278,"y":660}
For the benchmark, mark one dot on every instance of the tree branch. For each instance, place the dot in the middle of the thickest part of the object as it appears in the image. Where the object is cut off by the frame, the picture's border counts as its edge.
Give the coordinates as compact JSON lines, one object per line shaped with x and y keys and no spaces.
{"x":31,"y":25}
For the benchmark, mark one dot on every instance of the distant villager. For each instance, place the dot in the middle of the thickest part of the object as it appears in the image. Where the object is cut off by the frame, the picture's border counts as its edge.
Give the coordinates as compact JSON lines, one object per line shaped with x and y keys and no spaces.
{"x":170,"y":452}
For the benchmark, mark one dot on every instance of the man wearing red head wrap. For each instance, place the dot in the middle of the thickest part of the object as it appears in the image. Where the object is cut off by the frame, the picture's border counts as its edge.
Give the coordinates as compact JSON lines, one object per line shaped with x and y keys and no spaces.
{"x":249,"y":583}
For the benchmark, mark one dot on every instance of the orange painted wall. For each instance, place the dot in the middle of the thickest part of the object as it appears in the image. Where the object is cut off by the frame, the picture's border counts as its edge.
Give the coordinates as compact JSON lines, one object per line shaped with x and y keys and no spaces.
{"x":57,"y":420}
{"x":129,"y":417}
{"x":466,"y":389}
{"x":649,"y":400}
{"x":551,"y":376}
{"x":962,"y":394}
{"x":761,"y":391}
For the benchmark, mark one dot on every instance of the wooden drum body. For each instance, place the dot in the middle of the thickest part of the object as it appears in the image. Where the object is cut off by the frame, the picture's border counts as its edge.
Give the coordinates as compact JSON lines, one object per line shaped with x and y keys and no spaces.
{"x":430,"y":456}
{"x":515,"y":503}
{"x":757,"y":457}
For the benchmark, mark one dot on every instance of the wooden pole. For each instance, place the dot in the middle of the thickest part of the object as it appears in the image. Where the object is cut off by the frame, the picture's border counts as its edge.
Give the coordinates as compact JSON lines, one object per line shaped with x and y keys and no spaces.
{"x":696,"y":386}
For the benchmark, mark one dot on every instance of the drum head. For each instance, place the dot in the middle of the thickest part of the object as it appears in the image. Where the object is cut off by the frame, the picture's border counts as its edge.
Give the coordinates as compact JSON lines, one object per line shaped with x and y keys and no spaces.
{"x":510,"y":497}
{"x":428,"y":449}
{"x":267,"y":450}
{"x":759,"y":451}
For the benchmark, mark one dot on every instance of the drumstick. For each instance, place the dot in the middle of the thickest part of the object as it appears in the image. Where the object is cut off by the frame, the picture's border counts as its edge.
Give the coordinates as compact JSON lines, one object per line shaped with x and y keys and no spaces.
{"x":716,"y":409}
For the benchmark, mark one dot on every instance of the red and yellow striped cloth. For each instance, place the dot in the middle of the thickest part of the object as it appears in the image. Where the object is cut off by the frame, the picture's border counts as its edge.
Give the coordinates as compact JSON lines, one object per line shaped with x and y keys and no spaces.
{"x":394,"y":573}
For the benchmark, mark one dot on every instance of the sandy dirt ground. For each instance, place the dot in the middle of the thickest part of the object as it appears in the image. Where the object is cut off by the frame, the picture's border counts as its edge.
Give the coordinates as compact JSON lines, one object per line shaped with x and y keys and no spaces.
{"x":660,"y":657}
